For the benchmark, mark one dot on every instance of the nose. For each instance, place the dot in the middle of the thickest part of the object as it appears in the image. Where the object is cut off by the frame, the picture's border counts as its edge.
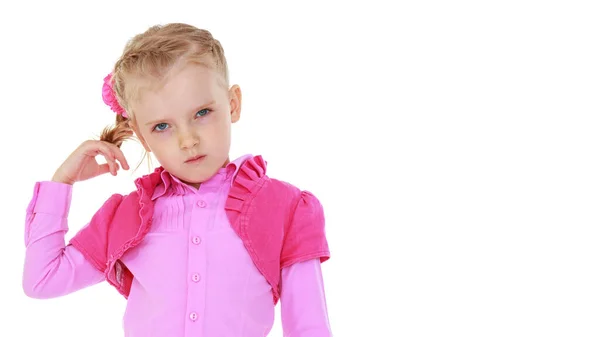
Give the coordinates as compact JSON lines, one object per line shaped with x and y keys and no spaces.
{"x":188,"y":139}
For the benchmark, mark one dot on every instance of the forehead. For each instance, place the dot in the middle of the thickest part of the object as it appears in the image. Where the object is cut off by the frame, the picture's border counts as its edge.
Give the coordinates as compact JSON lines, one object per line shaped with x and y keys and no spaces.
{"x":182,"y":90}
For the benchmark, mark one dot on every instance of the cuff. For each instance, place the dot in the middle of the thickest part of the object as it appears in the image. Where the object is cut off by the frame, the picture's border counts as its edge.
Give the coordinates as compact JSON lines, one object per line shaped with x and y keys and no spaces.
{"x":50,"y":197}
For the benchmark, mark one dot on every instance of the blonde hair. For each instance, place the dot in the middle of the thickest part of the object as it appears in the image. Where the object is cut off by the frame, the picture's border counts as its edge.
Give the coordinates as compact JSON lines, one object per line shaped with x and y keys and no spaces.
{"x":150,"y":56}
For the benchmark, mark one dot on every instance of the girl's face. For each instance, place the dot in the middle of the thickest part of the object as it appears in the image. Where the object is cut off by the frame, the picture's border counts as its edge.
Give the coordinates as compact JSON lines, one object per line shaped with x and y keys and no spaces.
{"x":187,"y":122}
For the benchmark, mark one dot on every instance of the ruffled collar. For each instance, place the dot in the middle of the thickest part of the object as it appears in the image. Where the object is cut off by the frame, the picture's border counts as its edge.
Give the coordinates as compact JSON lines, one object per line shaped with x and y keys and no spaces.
{"x":161,"y":182}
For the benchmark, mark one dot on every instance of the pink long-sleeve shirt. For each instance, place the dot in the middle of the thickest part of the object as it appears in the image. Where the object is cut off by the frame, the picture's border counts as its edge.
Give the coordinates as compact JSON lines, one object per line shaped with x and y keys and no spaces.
{"x":192,"y":273}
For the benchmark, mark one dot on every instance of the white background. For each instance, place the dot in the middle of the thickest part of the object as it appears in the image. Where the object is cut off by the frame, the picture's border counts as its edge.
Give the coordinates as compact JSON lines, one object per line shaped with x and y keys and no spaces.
{"x":454,"y":145}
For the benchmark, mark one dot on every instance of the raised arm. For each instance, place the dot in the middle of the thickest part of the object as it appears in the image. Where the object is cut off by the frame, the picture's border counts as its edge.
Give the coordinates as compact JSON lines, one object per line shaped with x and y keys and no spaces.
{"x":51,"y":268}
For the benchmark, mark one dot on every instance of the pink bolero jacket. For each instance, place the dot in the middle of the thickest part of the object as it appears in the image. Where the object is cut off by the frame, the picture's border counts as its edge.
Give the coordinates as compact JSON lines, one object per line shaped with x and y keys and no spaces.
{"x":278,"y":223}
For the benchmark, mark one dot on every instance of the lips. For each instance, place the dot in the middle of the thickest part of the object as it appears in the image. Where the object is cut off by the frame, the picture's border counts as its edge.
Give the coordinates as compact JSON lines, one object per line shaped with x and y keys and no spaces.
{"x":195,"y":159}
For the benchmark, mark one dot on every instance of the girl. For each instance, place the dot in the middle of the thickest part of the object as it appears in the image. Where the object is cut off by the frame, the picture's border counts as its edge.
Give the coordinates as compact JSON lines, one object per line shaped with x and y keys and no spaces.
{"x":203,"y":246}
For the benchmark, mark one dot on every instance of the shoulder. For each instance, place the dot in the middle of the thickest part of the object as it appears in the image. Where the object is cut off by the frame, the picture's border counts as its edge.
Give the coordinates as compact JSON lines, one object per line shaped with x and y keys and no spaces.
{"x":296,"y":195}
{"x":145,"y":186}
{"x":109,"y":206}
{"x":254,"y":173}
{"x":254,"y":185}
{"x":113,"y":203}
{"x":305,"y":208}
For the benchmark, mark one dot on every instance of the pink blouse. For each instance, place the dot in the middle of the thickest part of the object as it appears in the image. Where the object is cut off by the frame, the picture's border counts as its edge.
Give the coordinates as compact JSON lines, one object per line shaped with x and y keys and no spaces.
{"x":192,"y":274}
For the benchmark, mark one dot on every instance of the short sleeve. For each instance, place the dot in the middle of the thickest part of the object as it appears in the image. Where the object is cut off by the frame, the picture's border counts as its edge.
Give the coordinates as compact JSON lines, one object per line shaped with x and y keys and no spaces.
{"x":92,"y":239}
{"x":305,"y":237}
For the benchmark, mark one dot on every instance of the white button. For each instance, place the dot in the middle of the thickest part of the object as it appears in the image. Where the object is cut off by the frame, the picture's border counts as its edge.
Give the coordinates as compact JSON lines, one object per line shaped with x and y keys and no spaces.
{"x":201,"y":203}
{"x":193,"y":316}
{"x":196,"y":277}
{"x":196,"y":240}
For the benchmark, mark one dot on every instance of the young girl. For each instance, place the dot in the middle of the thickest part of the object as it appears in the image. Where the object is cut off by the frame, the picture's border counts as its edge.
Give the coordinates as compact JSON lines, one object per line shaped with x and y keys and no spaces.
{"x":204,"y":245}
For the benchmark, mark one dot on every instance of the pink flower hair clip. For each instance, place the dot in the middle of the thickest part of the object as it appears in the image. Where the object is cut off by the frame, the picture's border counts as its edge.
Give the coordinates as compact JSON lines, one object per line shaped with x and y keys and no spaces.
{"x":109,"y":98}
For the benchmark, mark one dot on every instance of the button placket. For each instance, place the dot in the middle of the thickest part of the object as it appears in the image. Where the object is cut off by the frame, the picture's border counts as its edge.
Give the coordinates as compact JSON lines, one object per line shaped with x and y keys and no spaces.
{"x":201,"y":211}
{"x":196,"y":277}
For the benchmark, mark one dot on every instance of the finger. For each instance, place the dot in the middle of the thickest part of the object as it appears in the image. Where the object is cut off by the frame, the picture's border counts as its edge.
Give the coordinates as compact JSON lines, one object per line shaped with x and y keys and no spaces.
{"x":118,"y":153}
{"x":108,"y":155}
{"x":111,"y":166}
{"x":104,"y":168}
{"x":95,"y":148}
{"x":107,"y":150}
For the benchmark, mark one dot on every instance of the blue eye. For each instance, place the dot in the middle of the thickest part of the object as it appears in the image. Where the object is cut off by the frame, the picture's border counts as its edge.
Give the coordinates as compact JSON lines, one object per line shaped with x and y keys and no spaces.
{"x":202,"y":112}
{"x":161,"y":126}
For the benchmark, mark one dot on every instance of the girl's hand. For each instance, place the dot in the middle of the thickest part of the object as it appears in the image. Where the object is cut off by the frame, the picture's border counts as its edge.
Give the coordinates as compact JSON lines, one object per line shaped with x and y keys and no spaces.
{"x":82,"y":165}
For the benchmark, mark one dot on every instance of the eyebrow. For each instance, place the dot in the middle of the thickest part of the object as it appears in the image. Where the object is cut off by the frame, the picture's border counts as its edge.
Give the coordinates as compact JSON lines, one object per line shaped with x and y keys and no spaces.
{"x":201,"y":107}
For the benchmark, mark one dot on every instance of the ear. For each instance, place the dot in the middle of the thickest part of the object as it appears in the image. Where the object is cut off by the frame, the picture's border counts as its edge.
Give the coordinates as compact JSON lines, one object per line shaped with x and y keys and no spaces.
{"x":235,"y":102}
{"x":138,"y":134}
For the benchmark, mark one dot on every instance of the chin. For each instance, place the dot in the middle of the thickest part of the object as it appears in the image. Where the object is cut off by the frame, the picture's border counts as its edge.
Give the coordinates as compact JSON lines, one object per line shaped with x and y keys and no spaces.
{"x":195,"y":178}
{"x":198,"y":175}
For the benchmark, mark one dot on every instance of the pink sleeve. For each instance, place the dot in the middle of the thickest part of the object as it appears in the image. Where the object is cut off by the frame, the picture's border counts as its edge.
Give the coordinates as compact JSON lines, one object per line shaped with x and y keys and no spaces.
{"x":305,"y":237}
{"x":52,"y":269}
{"x":303,"y":305}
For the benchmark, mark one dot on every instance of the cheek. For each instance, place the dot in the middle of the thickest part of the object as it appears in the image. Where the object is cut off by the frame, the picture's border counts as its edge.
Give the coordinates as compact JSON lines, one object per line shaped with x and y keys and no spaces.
{"x":221,"y":128}
{"x":160,"y":142}
{"x":215,"y":127}
{"x":224,"y":135}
